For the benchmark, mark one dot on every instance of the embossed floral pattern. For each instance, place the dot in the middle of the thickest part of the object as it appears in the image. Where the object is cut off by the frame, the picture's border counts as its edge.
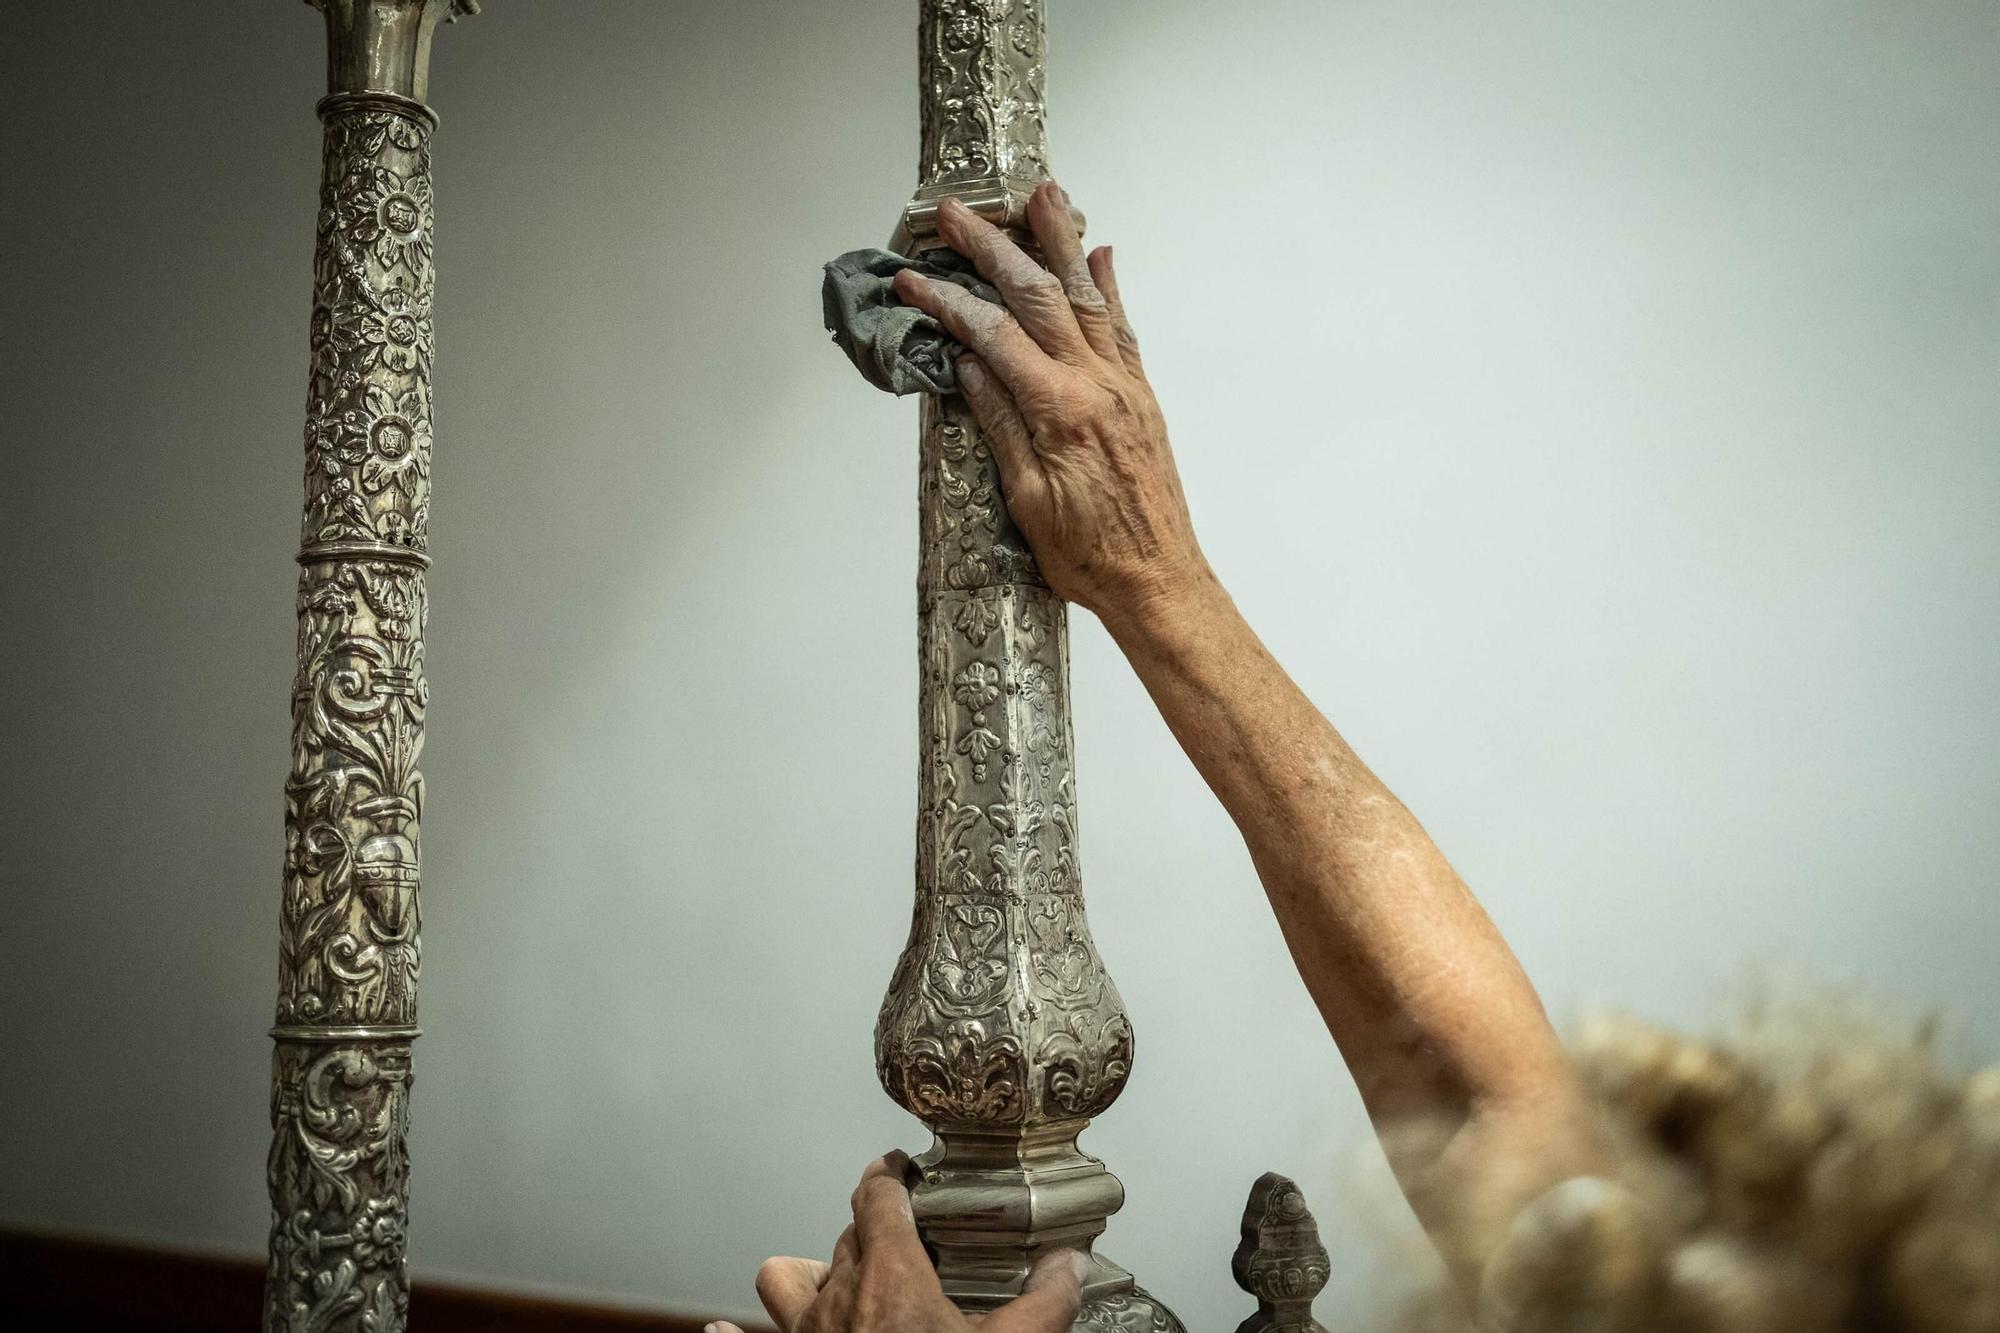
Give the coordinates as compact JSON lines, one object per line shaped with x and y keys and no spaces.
{"x":977,"y":687}
{"x":325,"y":345}
{"x":1134,"y":1311}
{"x":388,"y":215}
{"x":980,"y":67}
{"x":371,"y":335}
{"x":349,"y":950}
{"x":999,"y":939}
{"x":395,"y":330}
{"x":379,"y":1233}
{"x":391,"y":437}
{"x":976,"y":620}
{"x":966,"y":1075}
{"x":1000,"y":1027}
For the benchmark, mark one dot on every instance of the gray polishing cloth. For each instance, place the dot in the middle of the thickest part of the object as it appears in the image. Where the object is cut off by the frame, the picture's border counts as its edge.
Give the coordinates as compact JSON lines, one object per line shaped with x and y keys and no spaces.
{"x":894,"y":346}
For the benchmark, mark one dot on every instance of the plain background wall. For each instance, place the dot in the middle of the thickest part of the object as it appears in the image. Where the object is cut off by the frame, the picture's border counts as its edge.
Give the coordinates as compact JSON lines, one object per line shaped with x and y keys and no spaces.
{"x":1593,"y":404}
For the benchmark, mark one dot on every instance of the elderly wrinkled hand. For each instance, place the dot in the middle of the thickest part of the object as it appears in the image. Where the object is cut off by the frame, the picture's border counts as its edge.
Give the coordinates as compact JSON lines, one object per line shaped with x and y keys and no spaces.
{"x":881,"y":1281}
{"x":1056,"y":385}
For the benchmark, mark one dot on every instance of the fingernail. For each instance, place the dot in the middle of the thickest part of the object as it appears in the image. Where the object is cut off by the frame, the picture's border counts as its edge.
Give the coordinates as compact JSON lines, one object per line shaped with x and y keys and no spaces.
{"x":970,"y":375}
{"x":1079,"y":1265}
{"x":711,"y":1328}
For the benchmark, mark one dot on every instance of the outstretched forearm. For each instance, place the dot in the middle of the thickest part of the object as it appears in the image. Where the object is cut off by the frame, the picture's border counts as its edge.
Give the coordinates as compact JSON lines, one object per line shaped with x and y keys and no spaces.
{"x":1433,"y":1014}
{"x":1435,"y":1018}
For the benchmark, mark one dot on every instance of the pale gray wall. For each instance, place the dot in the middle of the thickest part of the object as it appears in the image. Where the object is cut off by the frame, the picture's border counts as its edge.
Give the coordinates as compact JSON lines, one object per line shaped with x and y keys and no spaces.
{"x":1593,"y":404}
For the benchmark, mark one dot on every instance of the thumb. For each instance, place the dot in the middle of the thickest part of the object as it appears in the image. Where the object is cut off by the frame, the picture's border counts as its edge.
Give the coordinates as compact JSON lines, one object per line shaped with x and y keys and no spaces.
{"x":1049,"y":1302}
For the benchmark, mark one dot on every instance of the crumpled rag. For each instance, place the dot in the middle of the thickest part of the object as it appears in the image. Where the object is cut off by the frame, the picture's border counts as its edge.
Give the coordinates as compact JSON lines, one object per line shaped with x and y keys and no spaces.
{"x":896,"y":347}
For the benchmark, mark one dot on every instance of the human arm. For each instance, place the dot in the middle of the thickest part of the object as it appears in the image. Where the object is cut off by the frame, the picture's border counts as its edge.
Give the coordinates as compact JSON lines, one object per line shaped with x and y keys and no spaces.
{"x":1435,"y":1018}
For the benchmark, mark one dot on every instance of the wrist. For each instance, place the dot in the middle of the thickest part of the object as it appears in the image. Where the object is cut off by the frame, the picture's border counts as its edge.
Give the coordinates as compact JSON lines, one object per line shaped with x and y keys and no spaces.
{"x":1168,"y":611}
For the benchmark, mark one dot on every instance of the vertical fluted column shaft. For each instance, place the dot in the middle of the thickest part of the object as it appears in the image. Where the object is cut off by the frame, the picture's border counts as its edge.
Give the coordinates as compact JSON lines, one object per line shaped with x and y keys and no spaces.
{"x":1001,"y":1030}
{"x":348,"y":943}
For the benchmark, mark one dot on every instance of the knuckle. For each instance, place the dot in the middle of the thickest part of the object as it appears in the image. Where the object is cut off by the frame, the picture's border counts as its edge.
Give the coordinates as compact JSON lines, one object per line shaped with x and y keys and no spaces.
{"x":985,"y":316}
{"x":1002,"y":324}
{"x":1065,"y":416}
{"x":1081,"y":288}
{"x":970,"y":326}
{"x":1043,"y":285}
{"x":990,"y":247}
{"x":1041,"y":402}
{"x":878,"y":1193}
{"x":945,"y":298}
{"x":770,"y":1277}
{"x":1086,"y":297}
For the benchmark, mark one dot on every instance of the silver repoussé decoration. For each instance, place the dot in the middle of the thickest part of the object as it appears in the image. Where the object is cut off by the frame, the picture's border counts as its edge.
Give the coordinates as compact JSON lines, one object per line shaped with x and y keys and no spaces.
{"x":348,"y":953}
{"x":1001,"y":1029}
{"x":1280,"y":1260}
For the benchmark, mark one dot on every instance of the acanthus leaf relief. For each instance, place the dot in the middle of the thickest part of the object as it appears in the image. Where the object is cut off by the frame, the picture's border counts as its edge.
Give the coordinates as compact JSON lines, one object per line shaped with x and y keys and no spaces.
{"x":965,"y":1075}
{"x":1135,"y":1311}
{"x":339,"y":1174}
{"x":354,"y":801}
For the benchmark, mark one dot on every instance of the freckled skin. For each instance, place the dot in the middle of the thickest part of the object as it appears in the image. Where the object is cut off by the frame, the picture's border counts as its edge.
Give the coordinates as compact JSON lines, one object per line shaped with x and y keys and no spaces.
{"x":1438,"y":1025}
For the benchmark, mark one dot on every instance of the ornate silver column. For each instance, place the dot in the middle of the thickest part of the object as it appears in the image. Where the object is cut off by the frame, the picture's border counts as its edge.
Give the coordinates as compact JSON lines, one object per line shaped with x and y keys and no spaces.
{"x":1001,"y":1029}
{"x":348,"y":951}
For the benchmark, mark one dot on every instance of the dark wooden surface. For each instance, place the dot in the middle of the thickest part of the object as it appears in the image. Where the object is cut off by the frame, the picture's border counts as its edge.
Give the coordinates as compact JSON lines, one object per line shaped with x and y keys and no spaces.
{"x":60,"y":1282}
